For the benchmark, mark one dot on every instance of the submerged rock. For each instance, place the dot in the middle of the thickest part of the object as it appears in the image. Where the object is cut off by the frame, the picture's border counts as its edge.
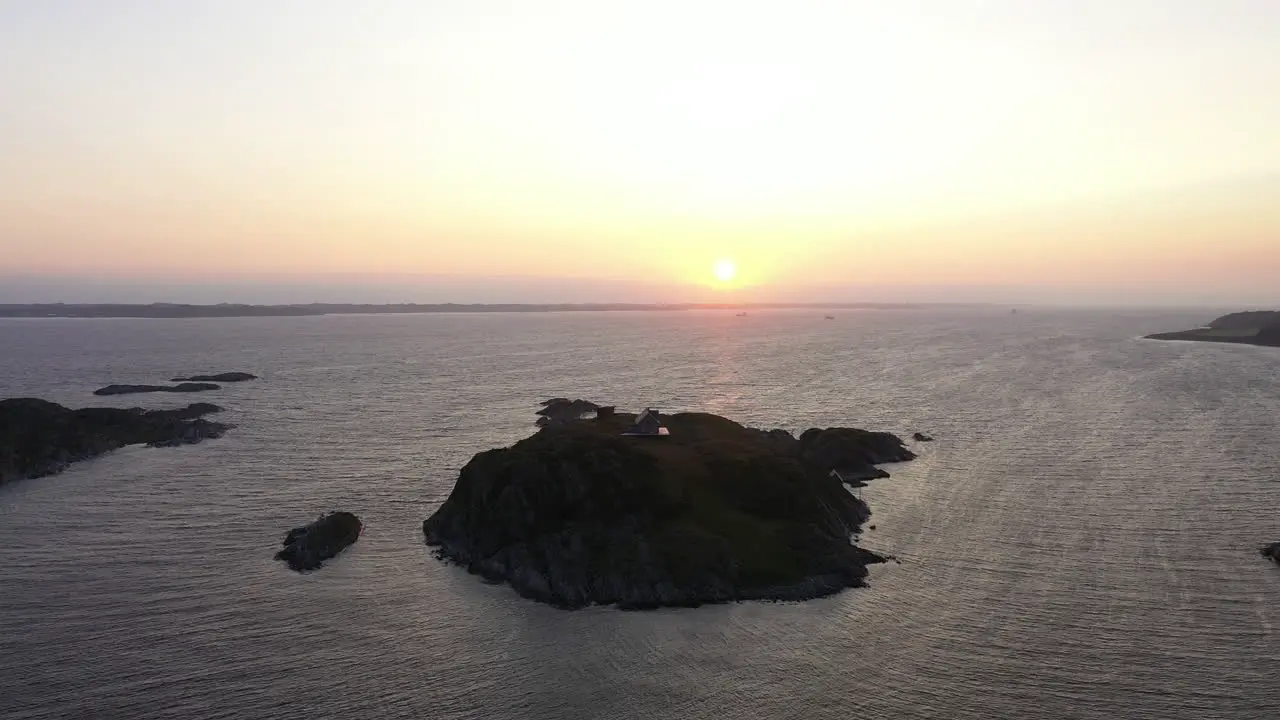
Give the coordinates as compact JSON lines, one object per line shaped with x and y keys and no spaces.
{"x":39,"y":438}
{"x":577,"y":515}
{"x":1271,"y":551}
{"x":921,"y":437}
{"x":307,"y":547}
{"x":219,"y":377}
{"x":185,"y":387}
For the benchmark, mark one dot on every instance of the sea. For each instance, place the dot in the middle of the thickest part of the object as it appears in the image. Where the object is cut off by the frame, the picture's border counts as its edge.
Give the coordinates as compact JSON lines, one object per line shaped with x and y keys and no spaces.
{"x":1080,"y":541}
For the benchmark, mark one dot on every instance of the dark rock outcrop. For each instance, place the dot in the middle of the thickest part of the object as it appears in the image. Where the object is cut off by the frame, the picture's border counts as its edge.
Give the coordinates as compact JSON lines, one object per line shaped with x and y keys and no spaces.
{"x":560,"y":407}
{"x":185,"y":387}
{"x":921,"y":437}
{"x":852,"y":453}
{"x":307,"y":547}
{"x":558,"y":411}
{"x":782,"y":442}
{"x":39,"y":438}
{"x":219,"y":377}
{"x":577,"y":515}
{"x":190,"y":412}
{"x":1271,"y":551}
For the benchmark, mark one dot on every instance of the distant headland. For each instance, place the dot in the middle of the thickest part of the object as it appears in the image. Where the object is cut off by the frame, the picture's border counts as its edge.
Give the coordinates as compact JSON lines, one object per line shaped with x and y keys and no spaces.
{"x":1254,"y":327}
{"x":175,"y":310}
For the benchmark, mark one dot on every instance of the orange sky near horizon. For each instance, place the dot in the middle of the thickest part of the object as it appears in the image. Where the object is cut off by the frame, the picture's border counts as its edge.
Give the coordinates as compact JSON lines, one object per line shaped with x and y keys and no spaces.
{"x":928,"y":142}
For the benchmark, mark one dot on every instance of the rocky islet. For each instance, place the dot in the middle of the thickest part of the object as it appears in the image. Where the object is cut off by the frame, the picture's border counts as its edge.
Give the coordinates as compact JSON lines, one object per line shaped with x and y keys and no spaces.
{"x":307,"y":547}
{"x":186,"y":387}
{"x":226,"y":377}
{"x":577,"y":514}
{"x":39,"y":438}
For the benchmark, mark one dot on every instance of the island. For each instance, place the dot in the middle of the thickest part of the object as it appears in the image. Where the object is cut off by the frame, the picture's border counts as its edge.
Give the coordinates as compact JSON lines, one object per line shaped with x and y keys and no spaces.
{"x":307,"y":547}
{"x":39,"y":438}
{"x":218,"y":377}
{"x":186,"y":387}
{"x":1254,"y":327}
{"x":709,"y":511}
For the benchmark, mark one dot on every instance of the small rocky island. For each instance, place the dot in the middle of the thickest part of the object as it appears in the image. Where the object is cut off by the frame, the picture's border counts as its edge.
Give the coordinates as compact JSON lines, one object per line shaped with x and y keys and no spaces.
{"x":1255,"y":327}
{"x":226,"y":377}
{"x":186,"y":387}
{"x":39,"y":438}
{"x":579,"y":514}
{"x":307,"y":547}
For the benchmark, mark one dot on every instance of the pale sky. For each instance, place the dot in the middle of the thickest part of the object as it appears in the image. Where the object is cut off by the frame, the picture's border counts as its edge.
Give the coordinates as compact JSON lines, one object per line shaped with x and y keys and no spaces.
{"x":914,"y":149}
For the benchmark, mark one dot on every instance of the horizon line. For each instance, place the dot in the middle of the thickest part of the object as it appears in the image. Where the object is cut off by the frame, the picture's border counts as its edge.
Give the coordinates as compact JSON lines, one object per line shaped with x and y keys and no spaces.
{"x":178,"y":310}
{"x":169,"y":310}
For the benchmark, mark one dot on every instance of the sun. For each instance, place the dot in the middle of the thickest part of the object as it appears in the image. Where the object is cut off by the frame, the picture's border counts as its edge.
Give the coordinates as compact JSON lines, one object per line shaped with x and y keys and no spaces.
{"x":725,"y":270}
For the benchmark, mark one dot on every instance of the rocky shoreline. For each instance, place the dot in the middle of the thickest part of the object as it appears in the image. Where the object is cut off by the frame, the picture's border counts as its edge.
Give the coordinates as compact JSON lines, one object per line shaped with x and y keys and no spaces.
{"x":39,"y":438}
{"x":578,"y":515}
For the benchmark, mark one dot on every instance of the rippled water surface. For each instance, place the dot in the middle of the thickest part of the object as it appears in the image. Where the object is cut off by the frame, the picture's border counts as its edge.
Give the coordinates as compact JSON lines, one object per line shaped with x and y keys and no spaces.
{"x":1080,"y":542}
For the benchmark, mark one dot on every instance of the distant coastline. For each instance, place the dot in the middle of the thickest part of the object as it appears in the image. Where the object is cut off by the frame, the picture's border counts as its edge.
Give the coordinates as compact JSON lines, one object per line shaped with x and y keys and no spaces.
{"x":174,"y":310}
{"x":1255,"y":327}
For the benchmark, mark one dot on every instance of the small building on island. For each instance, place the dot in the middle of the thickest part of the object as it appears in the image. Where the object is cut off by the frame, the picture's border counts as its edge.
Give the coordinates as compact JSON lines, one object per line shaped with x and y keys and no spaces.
{"x":648,"y":424}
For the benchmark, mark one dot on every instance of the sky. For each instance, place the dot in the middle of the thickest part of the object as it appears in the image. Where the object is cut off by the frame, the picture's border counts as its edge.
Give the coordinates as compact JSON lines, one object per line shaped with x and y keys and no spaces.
{"x":1092,"y":151}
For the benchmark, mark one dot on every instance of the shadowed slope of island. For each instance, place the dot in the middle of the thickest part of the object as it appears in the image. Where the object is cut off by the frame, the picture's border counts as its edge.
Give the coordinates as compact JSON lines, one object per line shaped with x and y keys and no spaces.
{"x":578,"y":514}
{"x":39,"y":438}
{"x":1255,"y":327}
